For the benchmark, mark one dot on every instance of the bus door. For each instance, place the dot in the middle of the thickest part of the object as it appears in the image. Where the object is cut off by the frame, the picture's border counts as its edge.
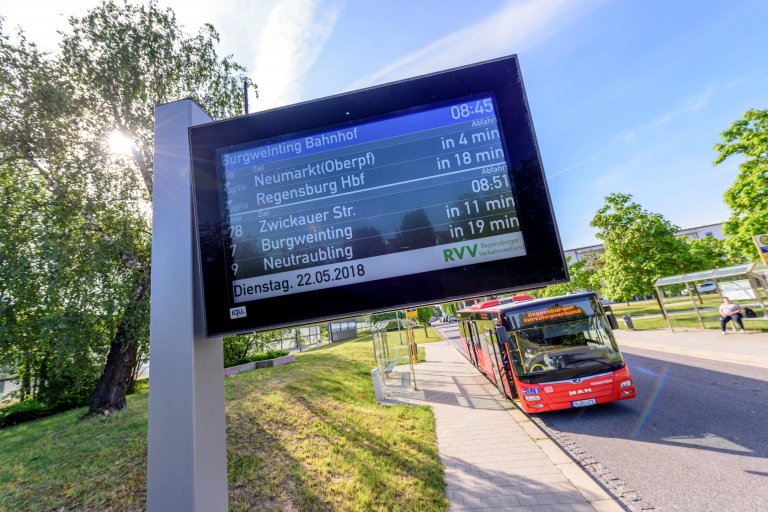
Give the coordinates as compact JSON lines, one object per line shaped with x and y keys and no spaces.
{"x":504,"y":350}
{"x":497,"y":362}
{"x":469,"y":344}
{"x":484,"y":354}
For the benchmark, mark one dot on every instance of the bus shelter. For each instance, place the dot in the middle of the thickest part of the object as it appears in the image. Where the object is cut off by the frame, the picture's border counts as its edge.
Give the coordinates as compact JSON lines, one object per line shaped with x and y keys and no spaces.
{"x":391,"y":354}
{"x":738,"y":282}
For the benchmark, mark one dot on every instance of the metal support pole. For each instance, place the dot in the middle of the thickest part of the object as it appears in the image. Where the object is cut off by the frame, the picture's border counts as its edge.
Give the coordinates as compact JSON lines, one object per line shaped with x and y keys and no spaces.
{"x":187,"y":451}
{"x":757,"y":294}
{"x":693,"y":301}
{"x":399,"y":334}
{"x":415,"y":387}
{"x":245,"y":95}
{"x":659,"y":300}
{"x":664,"y":309}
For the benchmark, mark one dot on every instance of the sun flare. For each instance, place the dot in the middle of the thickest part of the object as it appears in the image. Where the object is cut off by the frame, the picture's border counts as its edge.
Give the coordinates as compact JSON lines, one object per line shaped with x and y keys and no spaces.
{"x":120,"y":144}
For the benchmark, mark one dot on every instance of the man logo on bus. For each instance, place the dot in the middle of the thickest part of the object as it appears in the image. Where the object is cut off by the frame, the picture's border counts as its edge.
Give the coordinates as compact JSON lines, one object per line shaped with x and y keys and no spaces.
{"x":580,"y":391}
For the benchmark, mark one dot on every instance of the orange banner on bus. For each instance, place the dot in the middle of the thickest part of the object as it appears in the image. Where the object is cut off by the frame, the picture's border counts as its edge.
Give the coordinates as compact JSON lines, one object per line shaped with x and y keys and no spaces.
{"x":553,"y":313}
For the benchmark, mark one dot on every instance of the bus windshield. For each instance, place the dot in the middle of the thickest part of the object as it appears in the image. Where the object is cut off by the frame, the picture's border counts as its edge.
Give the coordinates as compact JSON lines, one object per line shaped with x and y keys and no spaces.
{"x":564,"y":341}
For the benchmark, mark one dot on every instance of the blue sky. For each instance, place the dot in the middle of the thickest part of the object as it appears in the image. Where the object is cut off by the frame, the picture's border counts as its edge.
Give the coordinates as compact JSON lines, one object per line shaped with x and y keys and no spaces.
{"x":626,"y":95}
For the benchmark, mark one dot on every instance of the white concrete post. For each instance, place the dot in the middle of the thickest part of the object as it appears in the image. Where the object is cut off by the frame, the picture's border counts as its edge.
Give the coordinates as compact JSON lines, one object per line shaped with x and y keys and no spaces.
{"x":376,"y":378}
{"x":187,"y":453}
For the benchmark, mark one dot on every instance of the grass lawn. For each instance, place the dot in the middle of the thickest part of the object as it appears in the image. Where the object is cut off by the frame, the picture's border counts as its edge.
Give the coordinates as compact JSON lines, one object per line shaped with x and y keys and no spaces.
{"x":691,"y":321}
{"x":651,"y":307}
{"x":398,"y":343}
{"x":393,"y":338}
{"x":305,"y":436}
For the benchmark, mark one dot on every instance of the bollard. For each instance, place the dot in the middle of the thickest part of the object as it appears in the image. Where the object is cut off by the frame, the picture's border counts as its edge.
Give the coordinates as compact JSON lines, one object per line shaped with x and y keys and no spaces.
{"x":628,"y":322}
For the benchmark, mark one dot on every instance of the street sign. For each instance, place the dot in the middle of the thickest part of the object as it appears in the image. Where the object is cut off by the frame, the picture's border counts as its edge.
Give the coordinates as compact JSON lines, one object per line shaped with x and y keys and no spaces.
{"x":414,"y":192}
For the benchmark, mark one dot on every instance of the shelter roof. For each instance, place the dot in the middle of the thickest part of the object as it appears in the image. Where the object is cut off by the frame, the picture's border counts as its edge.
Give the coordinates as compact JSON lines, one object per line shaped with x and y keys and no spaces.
{"x":708,"y":275}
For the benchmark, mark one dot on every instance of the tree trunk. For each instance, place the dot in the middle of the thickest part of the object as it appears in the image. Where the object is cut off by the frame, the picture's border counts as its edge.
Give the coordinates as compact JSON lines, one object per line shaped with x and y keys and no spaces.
{"x":109,"y":394}
{"x":25,"y":389}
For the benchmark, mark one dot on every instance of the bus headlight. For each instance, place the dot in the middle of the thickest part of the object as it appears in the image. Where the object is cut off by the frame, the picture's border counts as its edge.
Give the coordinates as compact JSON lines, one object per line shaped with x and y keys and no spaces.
{"x":529,"y":398}
{"x":537,"y":406}
{"x":626,"y":384}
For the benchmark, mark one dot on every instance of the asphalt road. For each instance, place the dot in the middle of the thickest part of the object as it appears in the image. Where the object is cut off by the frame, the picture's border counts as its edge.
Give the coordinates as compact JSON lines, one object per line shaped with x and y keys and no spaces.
{"x":695,"y":438}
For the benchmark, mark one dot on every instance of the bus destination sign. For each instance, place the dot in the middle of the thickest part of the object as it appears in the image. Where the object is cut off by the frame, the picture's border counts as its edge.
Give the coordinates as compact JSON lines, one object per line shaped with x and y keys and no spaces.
{"x":555,"y":313}
{"x":371,"y":200}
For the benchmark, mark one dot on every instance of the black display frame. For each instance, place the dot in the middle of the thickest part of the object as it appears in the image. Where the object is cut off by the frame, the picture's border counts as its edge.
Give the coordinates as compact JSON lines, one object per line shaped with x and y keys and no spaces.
{"x":544,"y":264}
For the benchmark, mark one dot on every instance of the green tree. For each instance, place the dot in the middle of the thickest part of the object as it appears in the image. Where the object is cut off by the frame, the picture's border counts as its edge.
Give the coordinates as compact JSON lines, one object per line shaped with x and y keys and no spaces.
{"x":450,"y":308}
{"x":583,"y":278}
{"x":640,"y":247}
{"x":56,"y":113}
{"x":748,"y":196}
{"x":424,"y":315}
{"x":239,"y":346}
{"x":707,"y":253}
{"x":58,"y":290}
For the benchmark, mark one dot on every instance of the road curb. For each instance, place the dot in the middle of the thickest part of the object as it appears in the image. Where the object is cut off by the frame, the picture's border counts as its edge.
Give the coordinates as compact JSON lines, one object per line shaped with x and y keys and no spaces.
{"x":592,"y":491}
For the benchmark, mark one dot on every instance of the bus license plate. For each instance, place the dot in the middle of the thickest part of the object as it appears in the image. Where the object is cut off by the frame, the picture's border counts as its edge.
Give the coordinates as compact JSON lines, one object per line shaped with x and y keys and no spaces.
{"x":583,"y":403}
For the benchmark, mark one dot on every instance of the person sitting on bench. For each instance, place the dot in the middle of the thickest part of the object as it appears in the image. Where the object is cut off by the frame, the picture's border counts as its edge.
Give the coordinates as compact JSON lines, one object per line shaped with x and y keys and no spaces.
{"x":730,"y":311}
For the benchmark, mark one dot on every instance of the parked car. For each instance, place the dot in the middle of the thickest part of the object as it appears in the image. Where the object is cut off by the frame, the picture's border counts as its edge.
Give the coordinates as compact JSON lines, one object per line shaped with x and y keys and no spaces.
{"x":451,"y":318}
{"x":703,"y":287}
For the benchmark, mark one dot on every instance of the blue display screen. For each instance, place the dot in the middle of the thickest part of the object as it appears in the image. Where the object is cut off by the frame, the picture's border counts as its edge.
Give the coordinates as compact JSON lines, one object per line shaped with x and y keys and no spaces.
{"x":411,"y":192}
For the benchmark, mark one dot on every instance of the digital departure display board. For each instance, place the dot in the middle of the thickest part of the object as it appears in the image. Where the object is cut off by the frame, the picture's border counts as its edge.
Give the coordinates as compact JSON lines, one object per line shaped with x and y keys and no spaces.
{"x":413,"y":192}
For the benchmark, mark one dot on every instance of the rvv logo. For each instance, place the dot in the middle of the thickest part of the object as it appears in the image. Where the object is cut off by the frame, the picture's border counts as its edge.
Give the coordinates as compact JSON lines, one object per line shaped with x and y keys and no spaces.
{"x":454,"y":253}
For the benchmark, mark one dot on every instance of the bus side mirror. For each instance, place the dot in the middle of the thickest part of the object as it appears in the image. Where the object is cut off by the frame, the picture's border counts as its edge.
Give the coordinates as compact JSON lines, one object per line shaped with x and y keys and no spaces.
{"x":612,"y":320}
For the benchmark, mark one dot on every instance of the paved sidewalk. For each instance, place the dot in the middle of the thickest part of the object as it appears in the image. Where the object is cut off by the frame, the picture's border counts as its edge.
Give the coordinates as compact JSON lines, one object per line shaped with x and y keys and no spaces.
{"x":750,"y":348}
{"x":495,"y":458}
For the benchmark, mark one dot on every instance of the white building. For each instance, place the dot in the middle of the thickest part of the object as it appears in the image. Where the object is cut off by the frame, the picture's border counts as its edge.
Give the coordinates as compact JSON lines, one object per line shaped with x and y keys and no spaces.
{"x":591,"y":252}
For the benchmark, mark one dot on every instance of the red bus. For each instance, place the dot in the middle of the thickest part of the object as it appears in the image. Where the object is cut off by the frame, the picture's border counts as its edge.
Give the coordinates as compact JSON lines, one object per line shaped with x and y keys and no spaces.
{"x":554,"y":353}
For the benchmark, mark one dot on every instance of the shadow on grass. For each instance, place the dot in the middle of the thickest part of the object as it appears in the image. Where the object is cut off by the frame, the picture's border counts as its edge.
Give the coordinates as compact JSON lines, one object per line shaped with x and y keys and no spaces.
{"x":382,"y":464}
{"x":327,"y":346}
{"x":63,"y":462}
{"x":312,"y":437}
{"x":262,"y":475}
